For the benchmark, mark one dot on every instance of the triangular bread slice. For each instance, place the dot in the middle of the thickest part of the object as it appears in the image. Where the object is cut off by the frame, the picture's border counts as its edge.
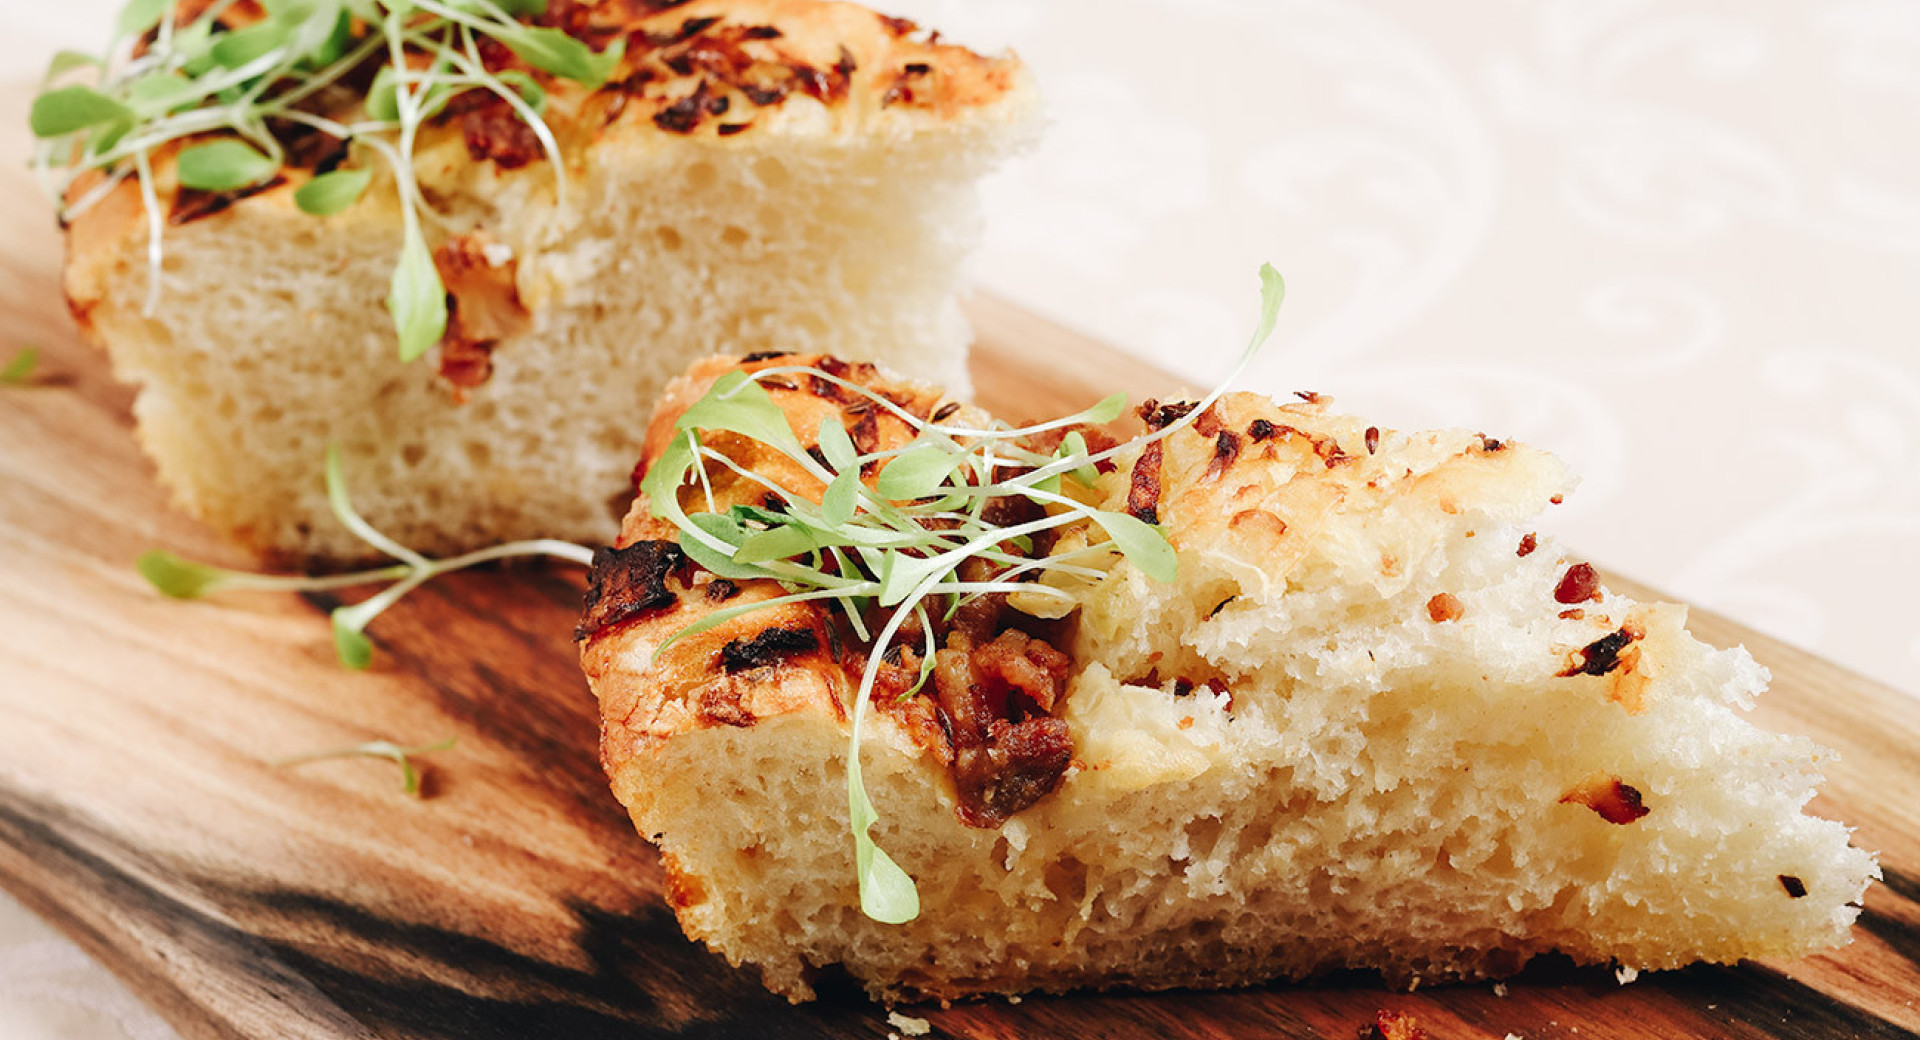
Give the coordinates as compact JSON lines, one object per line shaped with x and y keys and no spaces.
{"x":1378,"y":722}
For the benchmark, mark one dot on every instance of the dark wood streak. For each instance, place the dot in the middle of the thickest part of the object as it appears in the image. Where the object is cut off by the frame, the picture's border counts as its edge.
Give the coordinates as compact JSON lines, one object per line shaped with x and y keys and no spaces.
{"x":1767,"y":1003}
{"x":1900,"y":933}
{"x":427,"y":981}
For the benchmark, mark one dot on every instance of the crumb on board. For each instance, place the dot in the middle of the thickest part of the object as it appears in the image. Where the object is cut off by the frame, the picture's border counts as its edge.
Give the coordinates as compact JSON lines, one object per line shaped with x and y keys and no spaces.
{"x":1626,"y":975}
{"x":1500,"y":990}
{"x":1392,"y":1025}
{"x":908,"y":1024}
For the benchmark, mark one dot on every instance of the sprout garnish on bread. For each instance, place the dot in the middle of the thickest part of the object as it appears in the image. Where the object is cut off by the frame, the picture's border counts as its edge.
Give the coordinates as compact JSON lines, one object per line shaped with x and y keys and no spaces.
{"x":1367,"y":718}
{"x":898,"y":546}
{"x":557,"y":206}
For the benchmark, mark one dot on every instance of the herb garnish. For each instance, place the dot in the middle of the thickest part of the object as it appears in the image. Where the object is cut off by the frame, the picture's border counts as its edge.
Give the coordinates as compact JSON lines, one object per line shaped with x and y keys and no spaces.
{"x":20,"y":369}
{"x":214,"y":91}
{"x":897,"y":545}
{"x":401,"y":756}
{"x":184,"y":579}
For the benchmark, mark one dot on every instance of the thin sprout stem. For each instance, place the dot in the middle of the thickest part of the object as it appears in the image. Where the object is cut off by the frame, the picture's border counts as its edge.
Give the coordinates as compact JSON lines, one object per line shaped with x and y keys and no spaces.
{"x":307,"y":583}
{"x":150,"y":200}
{"x":328,"y":76}
{"x":555,"y":548}
{"x":548,"y":143}
{"x":361,"y":614}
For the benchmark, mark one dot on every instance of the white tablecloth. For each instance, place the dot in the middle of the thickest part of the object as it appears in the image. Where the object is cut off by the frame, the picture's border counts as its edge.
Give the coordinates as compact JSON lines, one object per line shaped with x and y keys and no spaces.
{"x":1677,"y":241}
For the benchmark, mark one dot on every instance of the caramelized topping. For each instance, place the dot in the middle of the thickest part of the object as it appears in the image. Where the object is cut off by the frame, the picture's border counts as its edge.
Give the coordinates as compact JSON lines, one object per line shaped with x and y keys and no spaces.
{"x":1616,"y":802}
{"x":627,"y":583}
{"x":1578,"y":585}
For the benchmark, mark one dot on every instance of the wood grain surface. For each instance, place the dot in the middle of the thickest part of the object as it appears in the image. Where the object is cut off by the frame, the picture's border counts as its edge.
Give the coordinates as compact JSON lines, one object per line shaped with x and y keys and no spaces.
{"x":141,"y":813}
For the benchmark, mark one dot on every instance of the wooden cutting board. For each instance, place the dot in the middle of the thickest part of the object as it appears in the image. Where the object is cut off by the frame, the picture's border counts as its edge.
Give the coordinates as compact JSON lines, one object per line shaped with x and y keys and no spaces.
{"x":140,"y":811}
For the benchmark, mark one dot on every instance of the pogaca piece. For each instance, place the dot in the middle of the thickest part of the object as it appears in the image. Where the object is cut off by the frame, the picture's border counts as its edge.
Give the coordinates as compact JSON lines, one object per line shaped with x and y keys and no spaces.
{"x":1334,"y":708}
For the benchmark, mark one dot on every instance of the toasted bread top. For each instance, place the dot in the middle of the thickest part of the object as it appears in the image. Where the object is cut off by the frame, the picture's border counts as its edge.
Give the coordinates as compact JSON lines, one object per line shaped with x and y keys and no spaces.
{"x":726,"y":73}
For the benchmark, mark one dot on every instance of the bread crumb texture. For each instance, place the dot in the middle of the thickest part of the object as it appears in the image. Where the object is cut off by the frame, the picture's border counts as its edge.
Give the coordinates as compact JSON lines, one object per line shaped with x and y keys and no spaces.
{"x":1284,"y":762}
{"x":757,"y":175}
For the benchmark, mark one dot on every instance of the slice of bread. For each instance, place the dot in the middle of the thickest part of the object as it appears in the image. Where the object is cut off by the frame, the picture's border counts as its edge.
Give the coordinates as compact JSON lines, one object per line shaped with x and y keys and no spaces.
{"x":757,"y":174}
{"x":1377,"y":722}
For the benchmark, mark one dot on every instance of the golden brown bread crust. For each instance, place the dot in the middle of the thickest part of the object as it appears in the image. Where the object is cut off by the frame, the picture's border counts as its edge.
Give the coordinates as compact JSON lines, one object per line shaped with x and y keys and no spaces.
{"x":1430,"y":812}
{"x":690,"y":687}
{"x":726,"y":72}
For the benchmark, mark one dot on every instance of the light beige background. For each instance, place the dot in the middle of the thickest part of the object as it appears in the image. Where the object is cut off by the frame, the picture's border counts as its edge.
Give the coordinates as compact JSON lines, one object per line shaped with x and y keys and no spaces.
{"x":1676,"y":241}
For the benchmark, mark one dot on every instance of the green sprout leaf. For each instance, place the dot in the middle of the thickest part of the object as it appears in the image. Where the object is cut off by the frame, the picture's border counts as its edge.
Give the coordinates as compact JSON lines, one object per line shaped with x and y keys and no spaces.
{"x":65,"y":110}
{"x":352,"y":646}
{"x":1108,"y":409}
{"x":140,"y":15}
{"x":837,"y":446}
{"x":20,"y":369}
{"x":737,"y":404}
{"x":1144,"y":545}
{"x":401,"y":756}
{"x":418,"y":299}
{"x":178,"y":578}
{"x":1074,"y":446}
{"x":64,"y":62}
{"x":256,"y":41}
{"x":551,"y":50}
{"x":332,"y":192}
{"x":841,"y":498}
{"x":228,"y":164}
{"x":529,"y":90}
{"x":887,"y":893}
{"x":383,"y":97}
{"x":774,"y":544}
{"x":915,"y":473}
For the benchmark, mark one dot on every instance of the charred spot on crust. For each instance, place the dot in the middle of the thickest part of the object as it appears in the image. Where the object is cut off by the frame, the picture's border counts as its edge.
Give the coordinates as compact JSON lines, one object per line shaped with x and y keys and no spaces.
{"x":1143,"y":490}
{"x":1373,"y":439}
{"x":946,"y":411}
{"x":1260,"y":430}
{"x":191,"y":204}
{"x":765,"y":355}
{"x":685,"y":115}
{"x":761,"y":32}
{"x":1616,"y":802}
{"x":729,"y":129}
{"x":626,"y":583}
{"x":898,"y":26}
{"x":720,"y":590}
{"x":1602,"y":655}
{"x":1528,"y":544}
{"x":1308,"y":396}
{"x":1578,"y":585}
{"x":1796,"y":888}
{"x":1159,"y":416}
{"x":1226,"y":448}
{"x":770,"y":646}
{"x":1490,"y":444}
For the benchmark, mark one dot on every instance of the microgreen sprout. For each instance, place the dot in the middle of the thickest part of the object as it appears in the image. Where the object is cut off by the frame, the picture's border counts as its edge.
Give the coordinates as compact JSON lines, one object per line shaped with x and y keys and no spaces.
{"x":401,"y":756}
{"x":20,"y":370}
{"x":225,"y":97}
{"x":898,"y":543}
{"x":185,"y":579}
